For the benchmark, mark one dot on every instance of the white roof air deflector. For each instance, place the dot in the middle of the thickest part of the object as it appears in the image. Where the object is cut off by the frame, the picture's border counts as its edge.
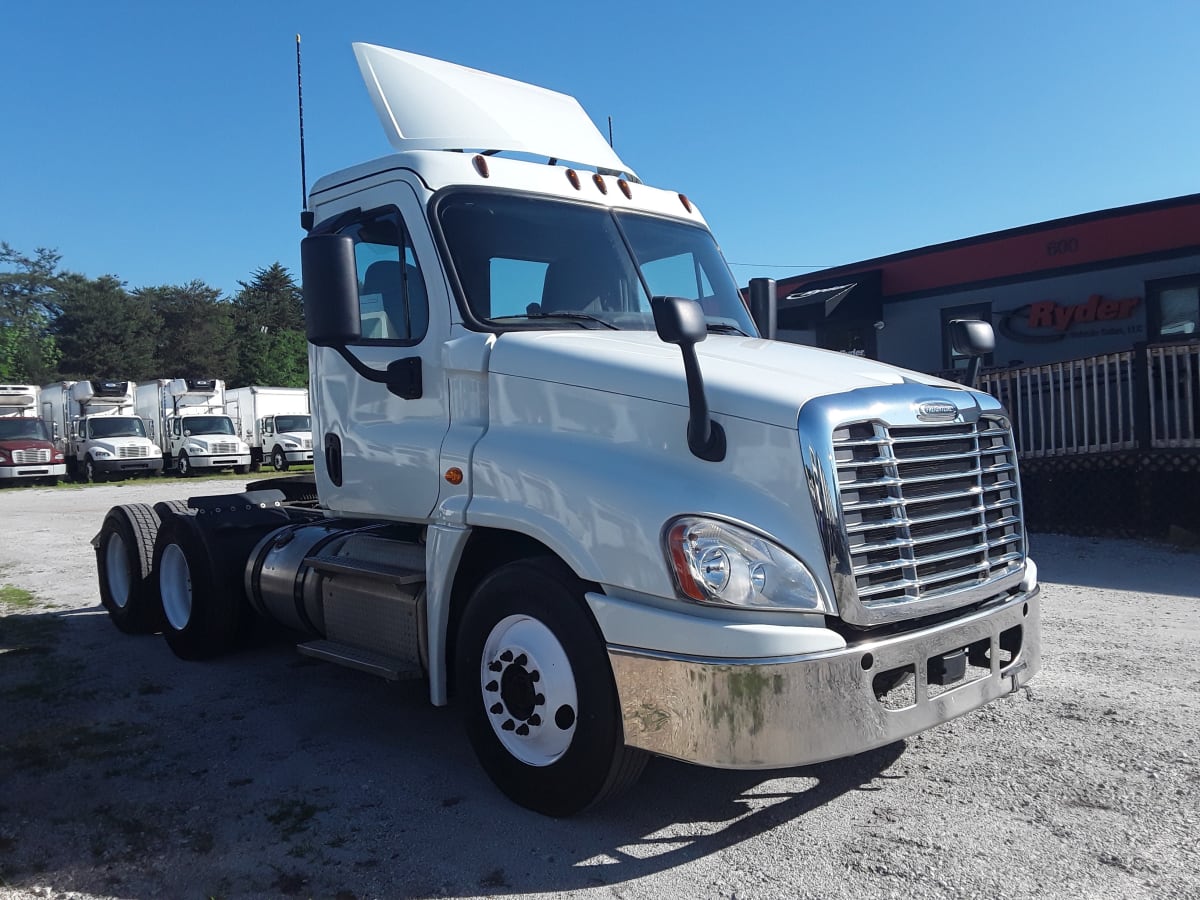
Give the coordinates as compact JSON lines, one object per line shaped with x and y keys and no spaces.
{"x":429,"y":104}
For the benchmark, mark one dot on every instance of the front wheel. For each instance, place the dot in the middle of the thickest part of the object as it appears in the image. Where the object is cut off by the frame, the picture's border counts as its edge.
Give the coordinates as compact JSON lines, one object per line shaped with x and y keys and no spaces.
{"x":240,"y":470}
{"x":184,"y":465}
{"x":91,"y":473}
{"x":279,"y":460}
{"x":537,"y":693}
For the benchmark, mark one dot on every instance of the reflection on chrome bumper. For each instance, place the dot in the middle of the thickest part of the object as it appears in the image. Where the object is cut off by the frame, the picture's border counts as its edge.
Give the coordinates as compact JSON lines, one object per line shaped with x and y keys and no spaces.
{"x":760,"y":714}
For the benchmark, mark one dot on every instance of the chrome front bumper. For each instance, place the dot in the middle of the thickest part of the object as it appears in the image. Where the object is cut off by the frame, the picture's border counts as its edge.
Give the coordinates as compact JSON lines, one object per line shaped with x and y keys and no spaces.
{"x":771,"y":713}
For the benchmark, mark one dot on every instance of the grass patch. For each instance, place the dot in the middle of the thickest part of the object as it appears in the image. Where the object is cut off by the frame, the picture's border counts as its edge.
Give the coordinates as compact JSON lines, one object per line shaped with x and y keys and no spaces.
{"x":16,"y":598}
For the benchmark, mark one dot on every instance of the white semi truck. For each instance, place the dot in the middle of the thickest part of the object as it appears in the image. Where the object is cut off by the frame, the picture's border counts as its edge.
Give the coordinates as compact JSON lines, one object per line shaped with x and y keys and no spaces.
{"x":27,"y":450}
{"x":275,"y":422}
{"x":97,"y":430}
{"x":564,"y":477}
{"x":188,"y":422}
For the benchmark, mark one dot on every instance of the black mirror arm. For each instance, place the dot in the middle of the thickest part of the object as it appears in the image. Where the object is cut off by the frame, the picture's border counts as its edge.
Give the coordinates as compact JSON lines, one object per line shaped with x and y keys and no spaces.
{"x":402,"y":376}
{"x":706,"y":438}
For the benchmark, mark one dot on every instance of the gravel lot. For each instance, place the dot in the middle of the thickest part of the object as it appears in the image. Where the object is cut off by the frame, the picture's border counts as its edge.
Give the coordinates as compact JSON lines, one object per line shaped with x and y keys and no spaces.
{"x":125,"y":772}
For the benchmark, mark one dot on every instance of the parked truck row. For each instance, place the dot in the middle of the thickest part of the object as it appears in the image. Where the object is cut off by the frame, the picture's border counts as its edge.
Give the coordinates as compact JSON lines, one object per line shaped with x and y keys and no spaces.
{"x":97,"y":429}
{"x":564,"y":474}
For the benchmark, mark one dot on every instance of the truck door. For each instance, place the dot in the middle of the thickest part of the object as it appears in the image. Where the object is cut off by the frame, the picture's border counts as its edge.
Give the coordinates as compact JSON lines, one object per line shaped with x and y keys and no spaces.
{"x":383,"y":448}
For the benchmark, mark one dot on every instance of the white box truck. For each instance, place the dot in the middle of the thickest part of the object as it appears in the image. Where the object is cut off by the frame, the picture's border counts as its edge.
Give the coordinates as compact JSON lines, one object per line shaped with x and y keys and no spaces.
{"x":98,"y":431}
{"x":565,"y":478}
{"x":275,"y":422}
{"x":27,"y":450}
{"x":188,"y":422}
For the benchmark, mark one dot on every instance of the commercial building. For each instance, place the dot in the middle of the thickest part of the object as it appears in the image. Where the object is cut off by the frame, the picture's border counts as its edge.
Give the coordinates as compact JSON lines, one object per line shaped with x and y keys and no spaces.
{"x":1065,"y":289}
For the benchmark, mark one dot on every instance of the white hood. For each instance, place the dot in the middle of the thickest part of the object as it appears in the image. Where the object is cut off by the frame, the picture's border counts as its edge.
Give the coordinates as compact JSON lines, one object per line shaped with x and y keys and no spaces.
{"x":763,"y":381}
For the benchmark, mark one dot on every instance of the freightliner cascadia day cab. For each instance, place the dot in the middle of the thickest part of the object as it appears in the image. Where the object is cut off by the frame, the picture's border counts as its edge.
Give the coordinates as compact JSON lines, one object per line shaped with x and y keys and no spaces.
{"x":562,"y":477}
{"x":98,"y":431}
{"x":275,"y":422}
{"x":188,"y":422}
{"x":27,"y":450}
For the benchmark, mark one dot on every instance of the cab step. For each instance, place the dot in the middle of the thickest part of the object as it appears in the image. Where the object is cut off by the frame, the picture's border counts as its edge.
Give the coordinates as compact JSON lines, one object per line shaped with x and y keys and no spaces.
{"x":390,"y":667}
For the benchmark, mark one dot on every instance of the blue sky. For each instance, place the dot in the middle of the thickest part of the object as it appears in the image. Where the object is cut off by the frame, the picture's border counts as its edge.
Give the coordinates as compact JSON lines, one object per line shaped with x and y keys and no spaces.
{"x":158,"y":141}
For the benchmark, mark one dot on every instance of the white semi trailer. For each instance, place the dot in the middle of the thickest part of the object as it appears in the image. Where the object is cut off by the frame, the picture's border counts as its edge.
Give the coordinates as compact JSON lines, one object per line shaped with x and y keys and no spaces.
{"x":564,"y":476}
{"x":27,"y":450}
{"x":275,"y":422}
{"x":97,"y":430}
{"x":188,"y":421}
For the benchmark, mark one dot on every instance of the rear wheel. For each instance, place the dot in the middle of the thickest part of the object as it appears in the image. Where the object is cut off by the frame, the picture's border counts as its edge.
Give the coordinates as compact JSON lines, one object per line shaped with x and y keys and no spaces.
{"x":537,"y":693}
{"x":201,"y":604}
{"x":124,"y":554}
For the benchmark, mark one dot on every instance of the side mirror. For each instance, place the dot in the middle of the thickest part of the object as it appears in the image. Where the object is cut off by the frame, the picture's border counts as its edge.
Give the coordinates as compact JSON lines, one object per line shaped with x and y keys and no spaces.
{"x":330,"y":281}
{"x":974,"y":338}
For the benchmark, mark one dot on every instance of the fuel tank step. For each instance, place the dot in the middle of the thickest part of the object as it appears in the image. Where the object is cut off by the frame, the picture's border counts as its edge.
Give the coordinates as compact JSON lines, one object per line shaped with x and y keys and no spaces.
{"x":390,"y":667}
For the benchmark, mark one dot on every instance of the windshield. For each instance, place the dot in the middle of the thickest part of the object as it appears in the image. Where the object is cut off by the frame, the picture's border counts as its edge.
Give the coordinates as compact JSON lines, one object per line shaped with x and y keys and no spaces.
{"x":23,"y":429}
{"x":208,"y":425}
{"x":116,"y":426}
{"x":536,"y":262}
{"x":293,"y":423}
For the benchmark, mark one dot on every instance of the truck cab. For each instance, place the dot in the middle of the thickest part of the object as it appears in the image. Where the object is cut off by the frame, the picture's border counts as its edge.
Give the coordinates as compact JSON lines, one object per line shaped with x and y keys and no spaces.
{"x":190,"y":425}
{"x":561,"y":475}
{"x":27,"y":450}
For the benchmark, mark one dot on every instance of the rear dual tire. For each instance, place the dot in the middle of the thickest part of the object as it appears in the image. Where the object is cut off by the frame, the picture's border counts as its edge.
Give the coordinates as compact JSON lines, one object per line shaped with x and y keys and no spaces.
{"x":202,"y":606}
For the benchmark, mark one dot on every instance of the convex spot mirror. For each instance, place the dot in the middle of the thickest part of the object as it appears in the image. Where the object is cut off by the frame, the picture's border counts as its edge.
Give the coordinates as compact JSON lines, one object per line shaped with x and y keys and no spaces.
{"x":971,"y":337}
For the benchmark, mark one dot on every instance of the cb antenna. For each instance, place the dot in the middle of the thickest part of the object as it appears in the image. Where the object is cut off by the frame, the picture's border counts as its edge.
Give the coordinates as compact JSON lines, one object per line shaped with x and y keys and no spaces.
{"x":306,"y":215}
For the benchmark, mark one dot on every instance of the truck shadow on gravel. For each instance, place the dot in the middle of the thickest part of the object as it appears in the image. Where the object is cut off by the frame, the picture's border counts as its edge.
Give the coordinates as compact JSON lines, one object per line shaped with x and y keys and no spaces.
{"x":131,"y":773}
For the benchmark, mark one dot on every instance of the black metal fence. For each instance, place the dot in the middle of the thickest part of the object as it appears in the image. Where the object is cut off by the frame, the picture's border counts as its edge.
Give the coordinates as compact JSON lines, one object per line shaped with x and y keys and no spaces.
{"x":1108,"y":444}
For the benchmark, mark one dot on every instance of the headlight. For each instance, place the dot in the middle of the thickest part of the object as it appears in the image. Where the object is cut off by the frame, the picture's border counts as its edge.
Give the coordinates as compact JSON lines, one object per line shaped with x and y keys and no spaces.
{"x":715,"y":562}
{"x":58,"y":457}
{"x":291,"y":445}
{"x":4,"y":456}
{"x":101,"y":454}
{"x":196,"y":447}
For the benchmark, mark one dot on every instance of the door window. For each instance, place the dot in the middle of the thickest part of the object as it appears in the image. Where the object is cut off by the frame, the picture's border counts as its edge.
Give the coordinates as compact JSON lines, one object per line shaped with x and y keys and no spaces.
{"x":392,"y":300}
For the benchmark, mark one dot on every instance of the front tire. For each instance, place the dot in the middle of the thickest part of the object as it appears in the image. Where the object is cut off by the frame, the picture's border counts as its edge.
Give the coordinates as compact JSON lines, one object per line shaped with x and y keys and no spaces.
{"x":124,"y":555}
{"x":183,"y":465}
{"x":201,"y":603}
{"x":537,"y":693}
{"x":279,"y":460}
{"x":91,"y":474}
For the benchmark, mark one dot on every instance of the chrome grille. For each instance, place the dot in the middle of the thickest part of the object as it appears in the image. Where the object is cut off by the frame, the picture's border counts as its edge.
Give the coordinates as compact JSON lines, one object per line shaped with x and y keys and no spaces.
{"x":928,"y":509}
{"x":27,"y":457}
{"x":917,"y":517}
{"x":129,"y":451}
{"x":225,"y":447}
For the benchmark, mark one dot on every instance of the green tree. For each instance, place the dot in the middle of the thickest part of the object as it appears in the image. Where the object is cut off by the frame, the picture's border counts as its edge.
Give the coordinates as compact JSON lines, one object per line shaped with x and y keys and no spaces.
{"x":269,"y":322}
{"x":28,"y":352}
{"x":196,"y":339}
{"x":102,"y":330}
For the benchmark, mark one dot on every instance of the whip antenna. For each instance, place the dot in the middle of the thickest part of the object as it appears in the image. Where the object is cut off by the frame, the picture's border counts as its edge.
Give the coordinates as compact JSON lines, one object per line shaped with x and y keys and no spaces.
{"x":306,"y":216}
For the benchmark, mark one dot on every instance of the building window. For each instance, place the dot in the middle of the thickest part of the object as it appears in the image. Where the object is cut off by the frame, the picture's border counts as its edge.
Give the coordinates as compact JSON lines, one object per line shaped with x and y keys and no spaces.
{"x":1174,"y":308}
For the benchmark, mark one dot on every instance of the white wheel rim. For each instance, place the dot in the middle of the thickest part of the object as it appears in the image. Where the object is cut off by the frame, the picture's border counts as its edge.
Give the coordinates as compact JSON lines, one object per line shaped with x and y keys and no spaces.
{"x":528,"y":690}
{"x":116,"y":566}
{"x":175,"y":585}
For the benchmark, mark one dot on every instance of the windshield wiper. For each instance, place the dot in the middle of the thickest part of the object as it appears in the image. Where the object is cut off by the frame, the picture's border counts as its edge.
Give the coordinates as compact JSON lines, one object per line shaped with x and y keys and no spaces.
{"x":574,"y":316}
{"x":725,"y":328}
